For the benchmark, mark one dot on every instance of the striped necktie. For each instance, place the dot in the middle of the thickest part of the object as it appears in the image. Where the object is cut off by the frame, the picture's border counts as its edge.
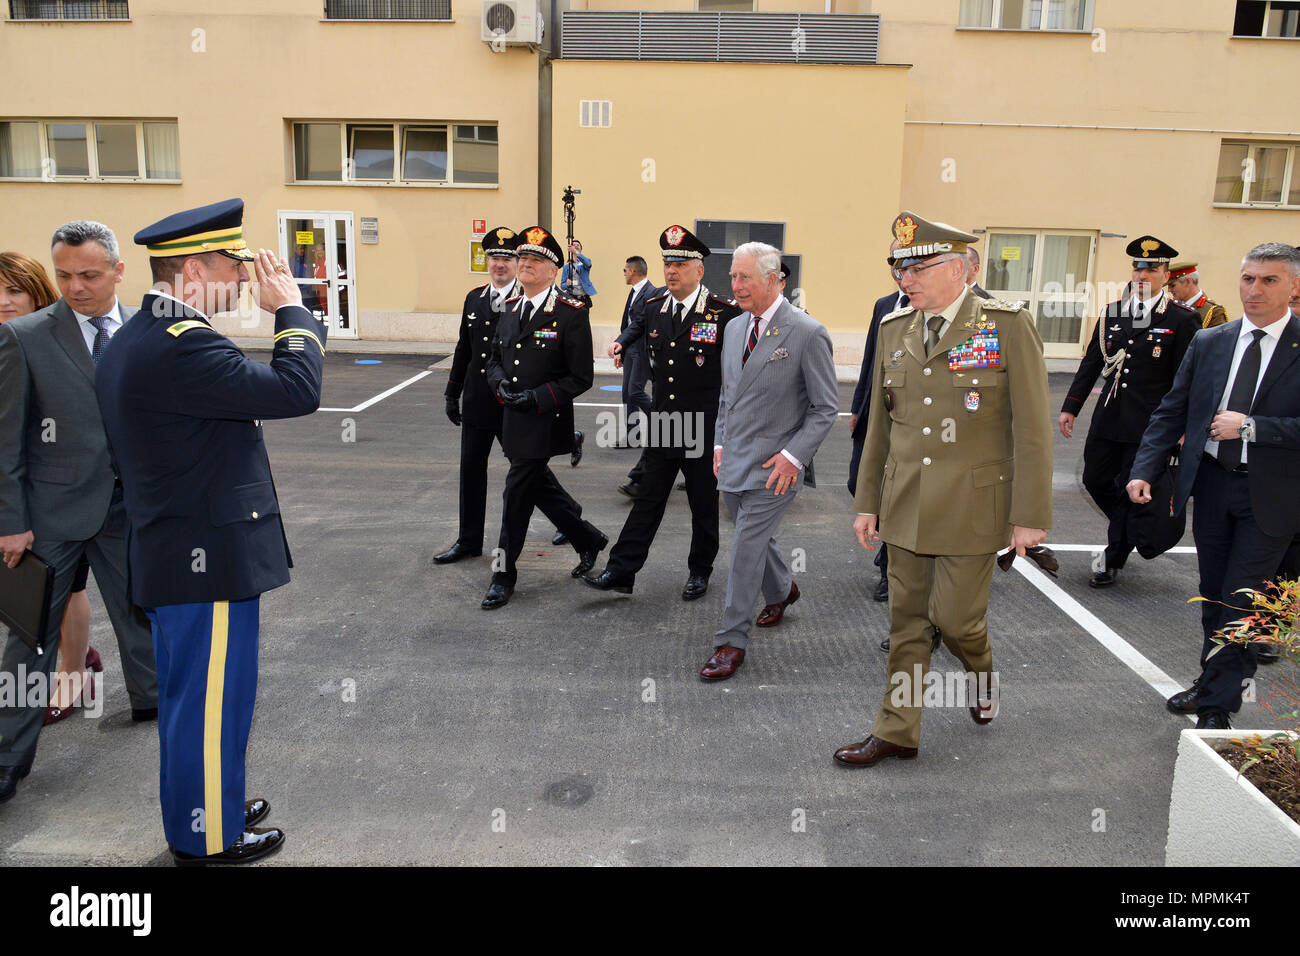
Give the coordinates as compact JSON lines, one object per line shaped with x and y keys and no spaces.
{"x":753,"y":341}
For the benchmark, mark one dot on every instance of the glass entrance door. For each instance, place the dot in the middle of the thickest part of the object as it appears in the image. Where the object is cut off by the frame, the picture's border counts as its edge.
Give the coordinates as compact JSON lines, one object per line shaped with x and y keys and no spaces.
{"x":319,"y":249}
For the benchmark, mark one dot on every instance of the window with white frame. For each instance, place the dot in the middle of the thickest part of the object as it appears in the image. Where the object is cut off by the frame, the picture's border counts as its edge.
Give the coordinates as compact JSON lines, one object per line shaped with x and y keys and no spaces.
{"x":369,"y":153}
{"x":1258,"y":174}
{"x":1267,"y":18}
{"x":1059,"y":15}
{"x":1050,"y":271}
{"x":595,"y":113}
{"x":95,"y":150}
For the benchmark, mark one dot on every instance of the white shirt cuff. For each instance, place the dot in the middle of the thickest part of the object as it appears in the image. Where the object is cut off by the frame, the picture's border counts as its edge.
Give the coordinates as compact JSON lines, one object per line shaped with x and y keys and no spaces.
{"x":793,"y":460}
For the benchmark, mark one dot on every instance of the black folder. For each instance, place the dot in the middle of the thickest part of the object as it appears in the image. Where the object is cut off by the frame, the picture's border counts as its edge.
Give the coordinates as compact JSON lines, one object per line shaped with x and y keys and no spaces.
{"x":25,"y":593}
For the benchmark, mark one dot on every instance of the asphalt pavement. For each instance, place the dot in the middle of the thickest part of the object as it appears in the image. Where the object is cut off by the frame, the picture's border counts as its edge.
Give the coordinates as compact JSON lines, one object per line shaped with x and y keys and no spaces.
{"x":398,"y":724}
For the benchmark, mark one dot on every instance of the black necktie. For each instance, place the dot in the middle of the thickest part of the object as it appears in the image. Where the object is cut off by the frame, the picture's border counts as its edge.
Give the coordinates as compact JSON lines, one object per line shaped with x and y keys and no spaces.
{"x":100,"y":322}
{"x":528,"y":314}
{"x":627,"y":307}
{"x":1242,"y":396}
{"x":677,"y":320}
{"x":903,"y":301}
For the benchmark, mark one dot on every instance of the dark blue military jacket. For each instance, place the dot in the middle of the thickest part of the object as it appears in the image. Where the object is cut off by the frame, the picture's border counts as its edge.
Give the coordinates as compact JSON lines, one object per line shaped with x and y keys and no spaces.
{"x":182,"y":408}
{"x":552,"y":356}
{"x":686,"y":363}
{"x":478,"y":327}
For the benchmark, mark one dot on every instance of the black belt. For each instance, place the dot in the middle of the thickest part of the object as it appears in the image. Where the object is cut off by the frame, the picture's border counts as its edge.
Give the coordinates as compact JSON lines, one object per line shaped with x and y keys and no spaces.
{"x":1239,"y":469}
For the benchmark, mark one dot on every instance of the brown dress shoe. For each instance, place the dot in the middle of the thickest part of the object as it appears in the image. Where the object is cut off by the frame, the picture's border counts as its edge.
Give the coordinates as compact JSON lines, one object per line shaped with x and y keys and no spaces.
{"x":872,"y":750}
{"x":772,"y":613}
{"x":724,"y":662}
{"x":983,"y":711}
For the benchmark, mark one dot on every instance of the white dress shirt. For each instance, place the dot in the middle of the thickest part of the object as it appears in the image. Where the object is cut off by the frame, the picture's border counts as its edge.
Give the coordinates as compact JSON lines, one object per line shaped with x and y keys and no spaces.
{"x":88,"y":331}
{"x":1267,"y":345}
{"x":1147,"y":304}
{"x":689,"y":301}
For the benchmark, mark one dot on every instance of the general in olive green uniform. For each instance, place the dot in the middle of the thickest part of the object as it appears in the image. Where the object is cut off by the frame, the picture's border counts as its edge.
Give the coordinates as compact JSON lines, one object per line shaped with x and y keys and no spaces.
{"x":958,"y":450}
{"x":1184,"y":283}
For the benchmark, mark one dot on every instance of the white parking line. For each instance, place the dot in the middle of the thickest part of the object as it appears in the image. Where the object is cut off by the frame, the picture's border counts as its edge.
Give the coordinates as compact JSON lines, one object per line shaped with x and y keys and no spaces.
{"x":1130,"y":656}
{"x":381,"y":396}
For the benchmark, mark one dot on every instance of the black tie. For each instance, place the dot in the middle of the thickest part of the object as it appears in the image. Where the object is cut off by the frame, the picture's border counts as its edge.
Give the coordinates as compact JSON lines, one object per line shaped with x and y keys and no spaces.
{"x":677,"y":320}
{"x":528,"y":314}
{"x":903,"y":301}
{"x":1242,"y":397}
{"x":627,"y":307}
{"x":100,"y":322}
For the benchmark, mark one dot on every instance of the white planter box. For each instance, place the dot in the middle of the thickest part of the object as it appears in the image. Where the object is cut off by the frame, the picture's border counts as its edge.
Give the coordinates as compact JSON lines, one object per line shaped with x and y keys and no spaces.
{"x":1217,"y":817}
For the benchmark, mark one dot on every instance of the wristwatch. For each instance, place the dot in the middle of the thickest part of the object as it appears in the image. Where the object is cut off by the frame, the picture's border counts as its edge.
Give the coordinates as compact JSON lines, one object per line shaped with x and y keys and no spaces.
{"x":1248,"y":430}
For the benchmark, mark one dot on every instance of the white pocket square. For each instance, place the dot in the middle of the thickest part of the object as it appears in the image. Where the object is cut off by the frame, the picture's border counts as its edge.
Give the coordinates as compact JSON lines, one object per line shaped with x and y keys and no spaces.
{"x":780,"y":353}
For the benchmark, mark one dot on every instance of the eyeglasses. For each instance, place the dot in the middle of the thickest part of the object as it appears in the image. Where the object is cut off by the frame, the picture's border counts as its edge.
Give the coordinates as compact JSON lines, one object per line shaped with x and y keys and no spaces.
{"x":900,"y":274}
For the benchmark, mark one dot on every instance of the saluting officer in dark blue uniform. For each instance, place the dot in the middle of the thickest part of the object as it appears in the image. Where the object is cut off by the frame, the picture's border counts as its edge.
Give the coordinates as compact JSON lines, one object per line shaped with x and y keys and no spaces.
{"x":540,"y":362}
{"x":683,"y":329}
{"x":182,"y":407}
{"x":471,"y":402}
{"x":1137,"y":347}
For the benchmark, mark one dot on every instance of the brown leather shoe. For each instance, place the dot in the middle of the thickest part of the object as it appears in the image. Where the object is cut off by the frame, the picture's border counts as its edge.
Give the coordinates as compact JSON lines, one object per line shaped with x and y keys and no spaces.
{"x":871,"y":751}
{"x":724,"y":662}
{"x":772,"y":613}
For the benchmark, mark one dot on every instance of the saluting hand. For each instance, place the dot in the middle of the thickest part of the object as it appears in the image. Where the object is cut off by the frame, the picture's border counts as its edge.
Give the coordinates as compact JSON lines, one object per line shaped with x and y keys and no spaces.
{"x":275,"y":285}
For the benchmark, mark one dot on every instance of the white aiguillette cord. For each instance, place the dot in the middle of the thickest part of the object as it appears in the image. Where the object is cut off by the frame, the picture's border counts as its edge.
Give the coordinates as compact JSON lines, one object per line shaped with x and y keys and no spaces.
{"x":1111,"y":363}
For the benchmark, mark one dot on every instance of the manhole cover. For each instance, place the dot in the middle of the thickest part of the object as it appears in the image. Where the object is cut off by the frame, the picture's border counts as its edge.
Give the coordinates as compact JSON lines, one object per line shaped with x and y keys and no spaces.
{"x":569,"y":792}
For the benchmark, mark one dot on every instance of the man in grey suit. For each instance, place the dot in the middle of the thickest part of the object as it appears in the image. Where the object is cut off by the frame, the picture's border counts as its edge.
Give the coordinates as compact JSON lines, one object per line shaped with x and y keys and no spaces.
{"x":58,"y":494}
{"x":779,"y":400}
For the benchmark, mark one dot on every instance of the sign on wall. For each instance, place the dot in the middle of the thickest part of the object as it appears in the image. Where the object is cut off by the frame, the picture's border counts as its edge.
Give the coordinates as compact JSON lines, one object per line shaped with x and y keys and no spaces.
{"x":477,"y":259}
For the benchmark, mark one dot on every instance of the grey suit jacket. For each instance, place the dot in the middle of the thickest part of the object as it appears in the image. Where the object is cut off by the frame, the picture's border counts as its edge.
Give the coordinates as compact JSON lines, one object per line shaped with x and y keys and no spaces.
{"x":784,"y":397}
{"x":55,"y":476}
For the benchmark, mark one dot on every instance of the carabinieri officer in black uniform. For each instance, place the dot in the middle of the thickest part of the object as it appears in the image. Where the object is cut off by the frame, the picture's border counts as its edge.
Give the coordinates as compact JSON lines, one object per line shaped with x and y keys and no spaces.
{"x":540,"y":362}
{"x":1137,"y":348}
{"x":471,"y":402}
{"x":182,"y":407}
{"x":684,"y":329}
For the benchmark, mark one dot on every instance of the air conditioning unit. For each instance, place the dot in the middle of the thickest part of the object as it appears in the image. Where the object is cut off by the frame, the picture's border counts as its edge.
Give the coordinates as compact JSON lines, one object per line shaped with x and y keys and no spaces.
{"x":511,"y":21}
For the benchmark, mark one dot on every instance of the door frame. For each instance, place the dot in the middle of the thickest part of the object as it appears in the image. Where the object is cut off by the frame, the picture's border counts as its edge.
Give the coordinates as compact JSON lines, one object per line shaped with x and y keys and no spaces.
{"x":332,"y":217}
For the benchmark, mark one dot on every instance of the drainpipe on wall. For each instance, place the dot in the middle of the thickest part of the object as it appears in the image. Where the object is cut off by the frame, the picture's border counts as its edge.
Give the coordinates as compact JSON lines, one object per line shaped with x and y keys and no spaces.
{"x":549,"y":47}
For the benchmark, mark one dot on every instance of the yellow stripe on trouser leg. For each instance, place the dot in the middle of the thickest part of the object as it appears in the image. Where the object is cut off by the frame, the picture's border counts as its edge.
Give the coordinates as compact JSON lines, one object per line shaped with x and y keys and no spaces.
{"x":212,"y":727}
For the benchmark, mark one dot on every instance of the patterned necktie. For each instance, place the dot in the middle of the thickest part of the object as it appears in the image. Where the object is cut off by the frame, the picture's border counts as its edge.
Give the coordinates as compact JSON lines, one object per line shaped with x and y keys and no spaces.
{"x":753,"y":341}
{"x":1242,"y":397}
{"x":100,"y":322}
{"x":932,"y":324}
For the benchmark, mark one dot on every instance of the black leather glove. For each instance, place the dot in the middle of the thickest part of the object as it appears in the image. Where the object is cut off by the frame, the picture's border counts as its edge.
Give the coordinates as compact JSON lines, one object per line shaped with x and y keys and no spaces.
{"x":453,"y":410}
{"x":504,"y":393}
{"x":522,"y":400}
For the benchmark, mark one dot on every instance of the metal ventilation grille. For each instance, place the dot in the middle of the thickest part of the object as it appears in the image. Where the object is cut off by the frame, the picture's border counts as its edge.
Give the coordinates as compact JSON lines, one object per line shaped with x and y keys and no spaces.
{"x":500,"y":18}
{"x":721,"y":37}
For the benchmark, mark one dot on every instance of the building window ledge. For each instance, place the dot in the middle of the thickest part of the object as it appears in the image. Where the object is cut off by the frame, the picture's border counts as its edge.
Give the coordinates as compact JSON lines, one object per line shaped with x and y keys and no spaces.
{"x":1080,"y":33}
{"x":1255,"y":205}
{"x":381,"y":20}
{"x":66,"y":21}
{"x":97,"y":180}
{"x":1237,"y":36}
{"x":385,"y":185}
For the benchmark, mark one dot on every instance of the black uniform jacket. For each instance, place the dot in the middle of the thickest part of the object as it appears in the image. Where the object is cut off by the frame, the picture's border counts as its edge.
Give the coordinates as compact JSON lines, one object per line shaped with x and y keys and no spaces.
{"x":552,"y":356}
{"x":686,"y":365}
{"x":1151,"y":356}
{"x":182,"y":408}
{"x":478,"y":327}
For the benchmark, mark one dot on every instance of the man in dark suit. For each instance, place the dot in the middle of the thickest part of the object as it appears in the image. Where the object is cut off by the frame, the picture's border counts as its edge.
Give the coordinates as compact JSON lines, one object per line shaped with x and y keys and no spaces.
{"x":685,"y":338}
{"x":1138,"y":345}
{"x":59,"y":495}
{"x":183,"y":407}
{"x":973,"y":273}
{"x":628,"y":352}
{"x":539,"y":363}
{"x":1236,"y":398}
{"x":858,"y":417}
{"x":479,"y":414}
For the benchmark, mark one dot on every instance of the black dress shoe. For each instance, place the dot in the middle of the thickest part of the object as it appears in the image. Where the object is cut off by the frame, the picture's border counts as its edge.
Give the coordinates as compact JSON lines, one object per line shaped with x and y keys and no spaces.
{"x":587,"y":559}
{"x":9,"y":777}
{"x":935,"y":640}
{"x":882,"y":590}
{"x":1104,"y":579}
{"x":142,"y":715}
{"x":607,"y":582}
{"x":630,"y":488}
{"x":560,"y":538}
{"x":681,"y":485}
{"x":1184,"y":702}
{"x":455,"y":553}
{"x":697,"y":585}
{"x":577,"y":450}
{"x":1213,"y":720}
{"x":251,"y":845}
{"x":255,"y":812}
{"x":498,"y":595}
